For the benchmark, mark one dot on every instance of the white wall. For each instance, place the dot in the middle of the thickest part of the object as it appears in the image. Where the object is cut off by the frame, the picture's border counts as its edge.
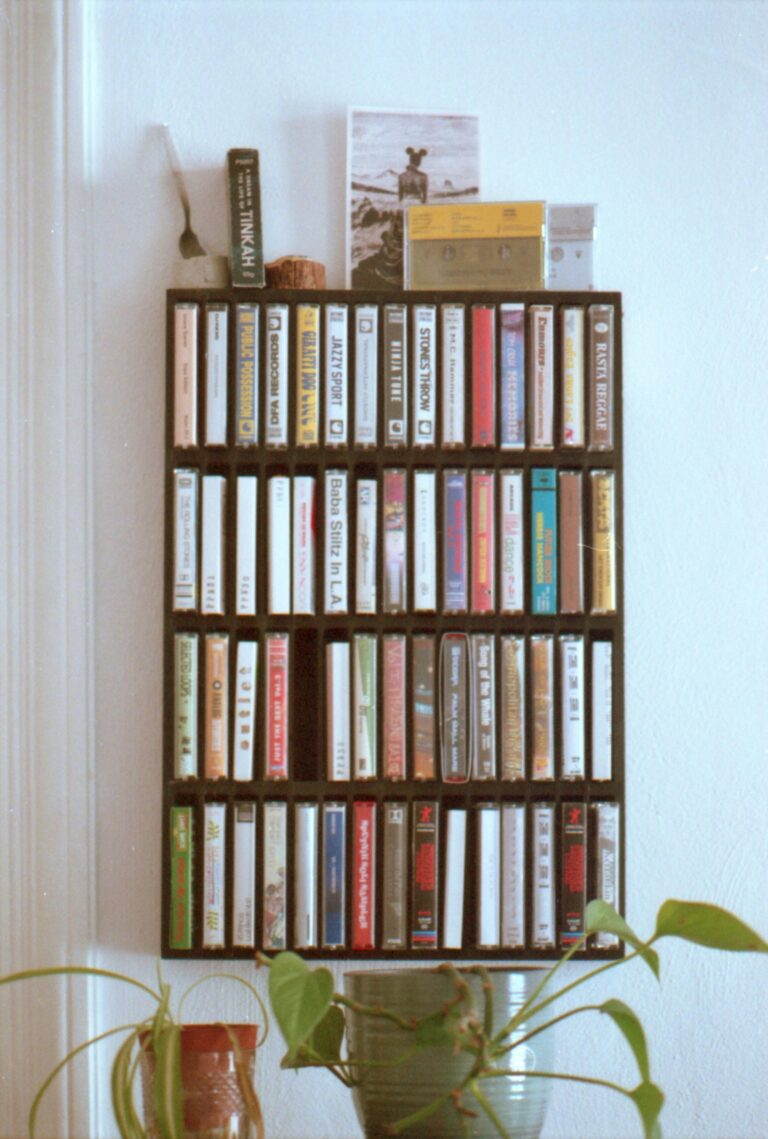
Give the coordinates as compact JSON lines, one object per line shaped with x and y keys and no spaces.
{"x":658,"y":111}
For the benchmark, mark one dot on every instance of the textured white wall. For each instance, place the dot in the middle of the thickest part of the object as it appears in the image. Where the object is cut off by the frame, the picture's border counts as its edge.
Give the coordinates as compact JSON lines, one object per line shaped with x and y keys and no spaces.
{"x":658,"y":112}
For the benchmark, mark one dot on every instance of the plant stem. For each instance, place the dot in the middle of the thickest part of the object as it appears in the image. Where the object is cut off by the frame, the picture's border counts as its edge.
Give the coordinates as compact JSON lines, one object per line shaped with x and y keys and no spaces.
{"x":78,"y":970}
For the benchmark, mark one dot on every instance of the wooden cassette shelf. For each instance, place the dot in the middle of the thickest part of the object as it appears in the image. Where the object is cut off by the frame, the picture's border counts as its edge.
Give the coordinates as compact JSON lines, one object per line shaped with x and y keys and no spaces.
{"x":309,"y":634}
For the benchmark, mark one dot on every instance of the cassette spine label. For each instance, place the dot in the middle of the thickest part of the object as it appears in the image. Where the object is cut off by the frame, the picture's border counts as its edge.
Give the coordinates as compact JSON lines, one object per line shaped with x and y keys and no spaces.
{"x":216,"y":320}
{"x":185,"y":322}
{"x":511,"y":525}
{"x":425,"y":870}
{"x":512,"y":378}
{"x":603,"y":541}
{"x":186,"y":651}
{"x":274,"y":899}
{"x":214,"y":494}
{"x":247,"y":369}
{"x":488,"y":875}
{"x":216,"y":704}
{"x":365,"y":713}
{"x":244,"y":877}
{"x":607,"y":864}
{"x":277,"y":701}
{"x":601,"y":364}
{"x":512,"y":707}
{"x":394,"y":705}
{"x":395,"y":530}
{"x":572,"y":712}
{"x":336,"y":376}
{"x":213,"y":878}
{"x":455,"y":866}
{"x":364,"y":874}
{"x":279,"y":553}
{"x":425,"y":376}
{"x":182,"y":861}
{"x":542,"y":376}
{"x":425,"y":541}
{"x":602,"y":710}
{"x":395,"y":376}
{"x":393,"y":914}
{"x":304,"y":488}
{"x":455,"y":541}
{"x":452,"y":387}
{"x":513,"y":875}
{"x":336,"y":526}
{"x":543,"y":917}
{"x":573,"y":837}
{"x":572,"y":336}
{"x":423,"y":657}
{"x":305,"y":876}
{"x":334,"y":874}
{"x":366,"y":371}
{"x":483,"y":375}
{"x":244,"y":732}
{"x":543,"y":687}
{"x":454,"y":707}
{"x":483,"y":688}
{"x":571,"y":543}
{"x":483,"y":542}
{"x":544,"y":541}
{"x":337,"y":710}
{"x":277,"y":318}
{"x":308,"y":375}
{"x":366,"y":559}
{"x":247,"y":528}
{"x":185,"y":496}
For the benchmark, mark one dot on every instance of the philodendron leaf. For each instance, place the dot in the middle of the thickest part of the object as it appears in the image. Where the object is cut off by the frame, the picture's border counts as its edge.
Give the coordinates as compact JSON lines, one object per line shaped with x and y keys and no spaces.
{"x":300,"y":998}
{"x":328,"y":1035}
{"x":707,"y":925}
{"x":601,"y":917}
{"x":649,"y":1100}
{"x":623,"y":1016}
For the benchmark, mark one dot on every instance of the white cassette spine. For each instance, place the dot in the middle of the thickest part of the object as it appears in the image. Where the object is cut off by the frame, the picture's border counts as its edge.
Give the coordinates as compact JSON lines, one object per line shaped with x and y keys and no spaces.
{"x":336,"y":527}
{"x":396,"y":365}
{"x":185,"y":495}
{"x":185,"y":698}
{"x":336,"y":376}
{"x":602,"y":710}
{"x":366,"y":557}
{"x":244,"y":733}
{"x":424,"y":376}
{"x":455,"y":862}
{"x":542,"y":373}
{"x":453,"y":378}
{"x":572,"y":328}
{"x":304,"y":487}
{"x":542,"y":654}
{"x":511,"y":541}
{"x":214,"y":490}
{"x":572,"y":715}
{"x":216,"y":321}
{"x":489,"y":875}
{"x":608,"y":845}
{"x":425,"y":540}
{"x":276,"y":412}
{"x":338,"y":707}
{"x":214,"y":846}
{"x":366,"y":373}
{"x":185,"y":317}
{"x":244,"y":877}
{"x":543,"y":876}
{"x":305,"y":863}
{"x":365,"y":728}
{"x":513,"y":875}
{"x":279,"y":522}
{"x":247,"y":517}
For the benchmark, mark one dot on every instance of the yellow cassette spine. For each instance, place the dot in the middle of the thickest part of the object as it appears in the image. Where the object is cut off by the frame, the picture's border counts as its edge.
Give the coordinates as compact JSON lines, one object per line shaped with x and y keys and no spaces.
{"x":307,"y":375}
{"x":603,"y":542}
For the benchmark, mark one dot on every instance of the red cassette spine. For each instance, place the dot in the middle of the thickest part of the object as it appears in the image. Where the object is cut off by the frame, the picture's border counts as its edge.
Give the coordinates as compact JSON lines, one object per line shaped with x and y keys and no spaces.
{"x":483,"y":373}
{"x":363,"y":874}
{"x":277,"y":706}
{"x":574,"y":872}
{"x":425,"y":871}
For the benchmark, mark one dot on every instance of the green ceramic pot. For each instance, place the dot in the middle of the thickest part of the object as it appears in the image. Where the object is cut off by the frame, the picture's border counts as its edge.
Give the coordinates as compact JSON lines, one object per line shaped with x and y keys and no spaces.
{"x":387,"y":1094}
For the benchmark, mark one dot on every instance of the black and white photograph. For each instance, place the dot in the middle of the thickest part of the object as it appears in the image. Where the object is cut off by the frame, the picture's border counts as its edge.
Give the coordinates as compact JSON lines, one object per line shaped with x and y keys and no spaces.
{"x":397,"y":159}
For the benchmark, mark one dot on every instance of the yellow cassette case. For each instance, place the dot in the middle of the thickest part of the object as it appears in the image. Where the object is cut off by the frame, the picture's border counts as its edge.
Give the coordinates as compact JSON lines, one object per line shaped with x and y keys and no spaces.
{"x":484,"y":245}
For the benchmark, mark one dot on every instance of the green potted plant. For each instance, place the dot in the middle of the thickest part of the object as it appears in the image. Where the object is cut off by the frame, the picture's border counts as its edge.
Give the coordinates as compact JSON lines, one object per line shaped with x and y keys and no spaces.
{"x":196,"y":1077}
{"x":464,"y":1039}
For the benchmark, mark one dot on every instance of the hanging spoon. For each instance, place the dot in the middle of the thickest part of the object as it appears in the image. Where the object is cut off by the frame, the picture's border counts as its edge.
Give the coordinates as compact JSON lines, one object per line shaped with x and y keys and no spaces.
{"x":189,"y":244}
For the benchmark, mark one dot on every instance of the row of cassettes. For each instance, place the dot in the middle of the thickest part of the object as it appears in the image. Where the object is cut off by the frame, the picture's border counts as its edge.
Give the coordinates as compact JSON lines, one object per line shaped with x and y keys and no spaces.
{"x":536,"y":868}
{"x":458,"y":707}
{"x":406,"y":374}
{"x":451,"y":542}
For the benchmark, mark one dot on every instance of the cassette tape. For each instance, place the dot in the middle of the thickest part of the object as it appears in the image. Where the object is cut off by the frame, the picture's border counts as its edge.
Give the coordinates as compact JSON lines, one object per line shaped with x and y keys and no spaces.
{"x":488,"y":245}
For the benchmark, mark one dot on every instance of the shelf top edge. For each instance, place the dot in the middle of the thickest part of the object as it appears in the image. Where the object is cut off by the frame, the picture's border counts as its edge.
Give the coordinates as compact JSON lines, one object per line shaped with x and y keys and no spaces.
{"x":394,"y":296}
